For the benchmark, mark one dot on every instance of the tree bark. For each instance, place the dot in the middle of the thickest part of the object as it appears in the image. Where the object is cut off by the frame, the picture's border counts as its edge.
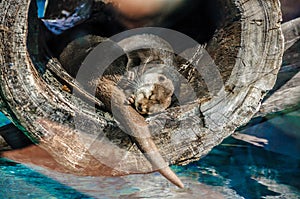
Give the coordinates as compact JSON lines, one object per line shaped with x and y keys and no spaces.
{"x":247,"y":49}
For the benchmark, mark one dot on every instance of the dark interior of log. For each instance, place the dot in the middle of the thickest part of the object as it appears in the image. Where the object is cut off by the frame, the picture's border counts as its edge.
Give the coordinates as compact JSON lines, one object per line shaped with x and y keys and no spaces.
{"x":200,"y":20}
{"x":197,"y":19}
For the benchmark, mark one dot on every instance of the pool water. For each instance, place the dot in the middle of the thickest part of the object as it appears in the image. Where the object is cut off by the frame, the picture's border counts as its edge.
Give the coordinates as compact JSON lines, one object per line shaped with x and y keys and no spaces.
{"x":4,"y":120}
{"x":234,"y":169}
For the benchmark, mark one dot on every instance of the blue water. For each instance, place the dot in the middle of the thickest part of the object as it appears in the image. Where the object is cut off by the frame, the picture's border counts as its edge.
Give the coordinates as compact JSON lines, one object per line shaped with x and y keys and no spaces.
{"x":19,"y":181}
{"x":234,"y":169}
{"x":4,"y":120}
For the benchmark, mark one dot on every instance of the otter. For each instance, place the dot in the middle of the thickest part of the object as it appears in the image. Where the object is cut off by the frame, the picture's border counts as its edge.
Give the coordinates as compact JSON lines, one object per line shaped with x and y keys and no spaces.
{"x":148,"y":88}
{"x":151,"y":82}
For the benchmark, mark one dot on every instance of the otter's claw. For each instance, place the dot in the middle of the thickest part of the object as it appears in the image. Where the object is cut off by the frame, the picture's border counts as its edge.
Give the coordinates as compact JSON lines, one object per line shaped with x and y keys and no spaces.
{"x":131,"y":99}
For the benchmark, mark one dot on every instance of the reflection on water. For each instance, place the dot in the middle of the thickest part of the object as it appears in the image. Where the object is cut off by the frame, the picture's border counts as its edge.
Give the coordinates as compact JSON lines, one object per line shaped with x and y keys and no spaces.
{"x":18,"y":181}
{"x":4,"y":120}
{"x":234,"y":169}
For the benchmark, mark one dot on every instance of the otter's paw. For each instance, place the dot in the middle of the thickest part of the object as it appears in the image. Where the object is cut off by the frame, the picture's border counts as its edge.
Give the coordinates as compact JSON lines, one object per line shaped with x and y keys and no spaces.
{"x":131,"y":99}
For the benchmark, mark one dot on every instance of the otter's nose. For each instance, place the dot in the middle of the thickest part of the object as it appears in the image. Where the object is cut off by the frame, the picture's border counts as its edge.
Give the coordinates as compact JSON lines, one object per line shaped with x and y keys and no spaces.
{"x":140,"y":108}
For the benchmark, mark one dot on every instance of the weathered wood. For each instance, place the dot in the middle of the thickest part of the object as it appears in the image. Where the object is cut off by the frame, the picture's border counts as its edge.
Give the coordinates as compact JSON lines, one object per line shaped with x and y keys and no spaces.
{"x":291,"y":30}
{"x":285,"y":98}
{"x":247,"y":48}
{"x":285,"y":95}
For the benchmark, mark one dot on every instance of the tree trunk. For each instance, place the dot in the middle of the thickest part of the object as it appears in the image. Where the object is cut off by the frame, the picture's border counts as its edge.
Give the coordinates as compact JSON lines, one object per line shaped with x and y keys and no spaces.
{"x":247,"y":48}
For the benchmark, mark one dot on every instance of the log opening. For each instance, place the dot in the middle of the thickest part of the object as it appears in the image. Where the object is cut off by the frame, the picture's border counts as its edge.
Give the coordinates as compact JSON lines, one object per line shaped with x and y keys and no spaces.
{"x":203,"y":21}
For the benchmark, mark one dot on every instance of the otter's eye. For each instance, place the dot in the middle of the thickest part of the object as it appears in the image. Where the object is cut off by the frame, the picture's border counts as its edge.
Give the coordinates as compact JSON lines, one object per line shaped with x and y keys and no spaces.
{"x":161,"y":78}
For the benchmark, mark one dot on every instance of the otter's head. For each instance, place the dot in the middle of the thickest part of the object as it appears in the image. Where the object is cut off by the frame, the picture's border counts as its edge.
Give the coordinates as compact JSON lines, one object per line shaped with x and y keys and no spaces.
{"x":154,"y":97}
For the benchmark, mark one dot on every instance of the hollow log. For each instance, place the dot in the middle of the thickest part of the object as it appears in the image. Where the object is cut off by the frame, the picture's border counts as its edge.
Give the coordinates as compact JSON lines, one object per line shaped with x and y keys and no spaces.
{"x":247,"y":48}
